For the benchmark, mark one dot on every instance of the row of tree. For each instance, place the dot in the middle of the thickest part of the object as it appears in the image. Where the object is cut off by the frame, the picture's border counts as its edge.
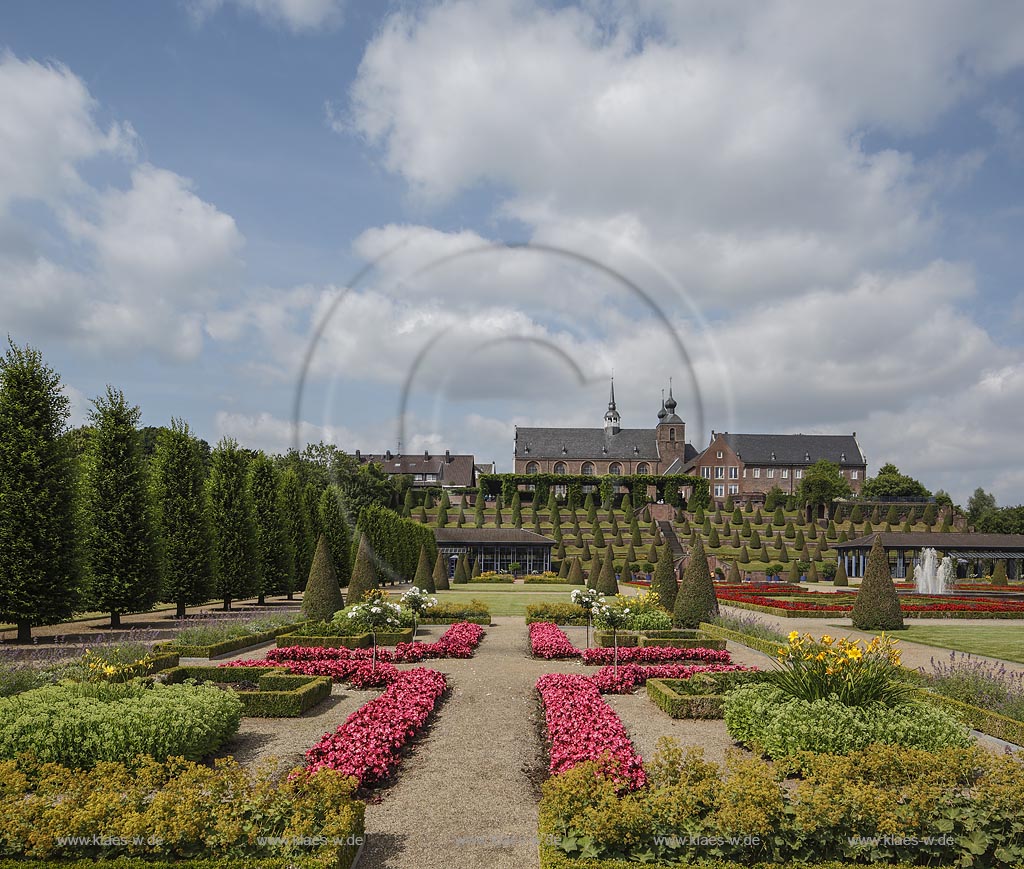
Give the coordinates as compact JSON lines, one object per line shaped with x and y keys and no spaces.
{"x":112,"y":518}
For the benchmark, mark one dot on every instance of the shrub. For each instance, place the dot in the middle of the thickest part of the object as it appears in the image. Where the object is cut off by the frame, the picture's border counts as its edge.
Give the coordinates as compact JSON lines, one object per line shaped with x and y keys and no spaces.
{"x":576,"y":573}
{"x":175,"y":810}
{"x":877,"y":605}
{"x":556,"y":613}
{"x":999,"y":575}
{"x":82,"y":724}
{"x":453,"y":610}
{"x":424,"y":579}
{"x":696,"y":601}
{"x":771,"y":722}
{"x":648,"y":621}
{"x":440,"y":573}
{"x":838,"y":572}
{"x":364,"y":573}
{"x":322,"y":598}
{"x":979,"y":683}
{"x":607,"y":583}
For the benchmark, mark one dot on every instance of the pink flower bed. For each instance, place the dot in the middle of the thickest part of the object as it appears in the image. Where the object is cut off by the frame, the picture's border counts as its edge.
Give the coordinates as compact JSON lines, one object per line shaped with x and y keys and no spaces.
{"x":581,"y":727}
{"x":367,"y":745}
{"x":547,"y":640}
{"x":655,"y":655}
{"x":631,"y":676}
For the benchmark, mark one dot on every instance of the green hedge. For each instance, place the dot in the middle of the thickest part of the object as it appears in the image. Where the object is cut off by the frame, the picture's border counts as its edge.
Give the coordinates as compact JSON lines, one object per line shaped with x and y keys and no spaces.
{"x":357,"y":641}
{"x":768,"y":647}
{"x":453,"y":620}
{"x":672,"y":696}
{"x":324,"y":861}
{"x":395,"y":541}
{"x":667,"y":485}
{"x":225,"y":647}
{"x":980,"y":719}
{"x":279,"y":694}
{"x":501,"y":579}
{"x":552,"y":858}
{"x":558,"y":613}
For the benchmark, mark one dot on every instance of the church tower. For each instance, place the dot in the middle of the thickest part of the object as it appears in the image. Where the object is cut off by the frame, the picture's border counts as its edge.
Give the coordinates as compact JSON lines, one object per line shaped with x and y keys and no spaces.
{"x":611,"y":417}
{"x":670,"y":432}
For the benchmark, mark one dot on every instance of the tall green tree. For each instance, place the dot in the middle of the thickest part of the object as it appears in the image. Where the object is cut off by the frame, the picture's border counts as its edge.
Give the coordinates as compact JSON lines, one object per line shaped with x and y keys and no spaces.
{"x":877,"y":605}
{"x":235,"y":563}
{"x":607,"y":583}
{"x":441,"y":572}
{"x":424,"y":579}
{"x":122,"y":543}
{"x":297,"y":525}
{"x":179,"y":485}
{"x":40,"y":563}
{"x":890,"y":483}
{"x":364,"y":573}
{"x":979,"y":504}
{"x":664,"y":582}
{"x":323,"y":597}
{"x":273,"y":547}
{"x":335,"y":528}
{"x":696,"y":600}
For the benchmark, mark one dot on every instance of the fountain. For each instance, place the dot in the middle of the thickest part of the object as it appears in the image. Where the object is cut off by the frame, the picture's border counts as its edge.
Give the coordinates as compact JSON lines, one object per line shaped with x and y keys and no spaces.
{"x":931,"y":577}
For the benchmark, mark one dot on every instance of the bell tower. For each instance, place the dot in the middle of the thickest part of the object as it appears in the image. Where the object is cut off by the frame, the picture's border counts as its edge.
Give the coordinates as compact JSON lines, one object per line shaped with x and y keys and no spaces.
{"x":670,"y":432}
{"x":611,"y":416}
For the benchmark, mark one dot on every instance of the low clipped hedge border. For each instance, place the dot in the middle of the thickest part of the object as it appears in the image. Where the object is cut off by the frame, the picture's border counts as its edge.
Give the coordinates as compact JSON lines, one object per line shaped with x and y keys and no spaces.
{"x":767,"y":647}
{"x":280,"y":695}
{"x":356,"y":641}
{"x":454,"y":620}
{"x":983,"y":720}
{"x":556,"y":613}
{"x":680,"y":704}
{"x":642,"y":639}
{"x":344,"y":859}
{"x":845,"y":614}
{"x":225,"y":646}
{"x":552,"y":858}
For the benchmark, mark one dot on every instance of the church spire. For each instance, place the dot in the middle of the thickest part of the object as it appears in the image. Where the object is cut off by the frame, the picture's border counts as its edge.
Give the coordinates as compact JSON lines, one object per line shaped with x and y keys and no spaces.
{"x":670,"y":405}
{"x":611,"y":417}
{"x":663,"y":412}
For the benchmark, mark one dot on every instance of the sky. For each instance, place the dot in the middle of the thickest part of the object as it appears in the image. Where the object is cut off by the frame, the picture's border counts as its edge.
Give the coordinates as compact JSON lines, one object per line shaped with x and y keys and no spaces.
{"x":414,"y":226}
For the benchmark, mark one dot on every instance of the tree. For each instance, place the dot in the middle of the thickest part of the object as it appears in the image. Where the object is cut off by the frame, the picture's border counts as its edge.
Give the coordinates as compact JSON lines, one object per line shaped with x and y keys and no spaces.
{"x":296,"y":523}
{"x":714,"y":542}
{"x":877,"y":605}
{"x":364,"y":573}
{"x":978,"y":504}
{"x":424,"y":579}
{"x":999,"y":574}
{"x":477,"y":569}
{"x":779,"y":519}
{"x":696,"y":601}
{"x":664,"y":581}
{"x":40,"y":561}
{"x":273,"y":548}
{"x":235,"y":566}
{"x":607,"y":583}
{"x":734,"y":575}
{"x":576,"y":573}
{"x":323,"y":596}
{"x":929,"y":516}
{"x":563,"y":568}
{"x":461,"y":570}
{"x":123,"y":554}
{"x":441,"y":573}
{"x":822,"y":483}
{"x":182,"y":517}
{"x":336,"y":529}
{"x":517,"y":510}
{"x":598,"y":537}
{"x":594,"y":574}
{"x":890,"y":483}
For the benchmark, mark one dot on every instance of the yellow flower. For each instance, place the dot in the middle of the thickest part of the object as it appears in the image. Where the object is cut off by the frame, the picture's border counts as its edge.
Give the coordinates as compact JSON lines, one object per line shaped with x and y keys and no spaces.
{"x":826,"y":639}
{"x":794,"y":636}
{"x":854,"y":654}
{"x":782,"y":653}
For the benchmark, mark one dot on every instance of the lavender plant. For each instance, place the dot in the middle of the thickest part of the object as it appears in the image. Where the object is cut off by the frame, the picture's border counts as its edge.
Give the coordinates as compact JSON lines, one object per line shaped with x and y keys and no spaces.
{"x":981,"y":683}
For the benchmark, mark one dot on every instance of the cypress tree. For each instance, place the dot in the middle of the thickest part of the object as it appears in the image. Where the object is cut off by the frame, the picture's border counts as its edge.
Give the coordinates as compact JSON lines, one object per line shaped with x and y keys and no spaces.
{"x":696,"y":601}
{"x":614,"y":522}
{"x":441,"y":573}
{"x":442,"y":516}
{"x":652,"y":554}
{"x":830,"y":532}
{"x":124,"y":562}
{"x":737,"y":516}
{"x":594,"y":574}
{"x":812,"y":573}
{"x":424,"y":578}
{"x":777,"y":540}
{"x":335,"y":528}
{"x":364,"y":573}
{"x":664,"y":580}
{"x":627,"y":504}
{"x":733,"y":578}
{"x":891,"y":516}
{"x":277,"y":564}
{"x":745,"y":529}
{"x":912,"y":516}
{"x":713,"y":540}
{"x":794,"y":574}
{"x":323,"y":596}
{"x":182,"y":518}
{"x":857,"y":515}
{"x":598,"y":537}
{"x":576,"y":573}
{"x":812,"y":531}
{"x":843,"y":537}
{"x":726,"y":528}
{"x":40,"y":560}
{"x":779,"y":519}
{"x":517,"y":510}
{"x":947,"y":525}
{"x":784,"y":553}
{"x":235,"y":566}
{"x":874,"y":516}
{"x":607,"y":583}
{"x":790,"y":530}
{"x":799,"y":541}
{"x":999,"y":574}
{"x":460,"y":576}
{"x":718,"y":517}
{"x":634,"y":530}
{"x":586,"y":550}
{"x":311,"y":504}
{"x":758,"y":517}
{"x":749,"y":508}
{"x":840,"y":580}
{"x":619,"y":539}
{"x":460,"y":520}
{"x":744,"y":555}
{"x":478,"y":512}
{"x":476,"y":567}
{"x":560,"y":551}
{"x":763,"y":555}
{"x":906,"y":528}
{"x":408,"y":503}
{"x":929,"y":515}
{"x":563,"y":568}
{"x":729,"y":504}
{"x":755,"y":539}
{"x":497,"y":518}
{"x":296,"y":523}
{"x":445,"y":500}
{"x":698,"y":515}
{"x":652,"y":529}
{"x":631,"y":554}
{"x":734,"y":541}
{"x":840,"y":515}
{"x":877,"y":605}
{"x":423,"y":517}
{"x":706,"y":527}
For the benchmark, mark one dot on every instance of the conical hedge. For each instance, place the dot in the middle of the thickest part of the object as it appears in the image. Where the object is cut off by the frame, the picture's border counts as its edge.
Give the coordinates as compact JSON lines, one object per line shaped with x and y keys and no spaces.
{"x":441,"y":573}
{"x":664,"y":580}
{"x":576,"y":573}
{"x":607,"y":584}
{"x":594,"y":574}
{"x":734,"y":575}
{"x":462,"y":570}
{"x":476,"y":567}
{"x":323,"y":596}
{"x":696,"y":601}
{"x":424,"y":579}
{"x":840,"y":579}
{"x":877,"y":606}
{"x":999,"y":574}
{"x":364,"y":573}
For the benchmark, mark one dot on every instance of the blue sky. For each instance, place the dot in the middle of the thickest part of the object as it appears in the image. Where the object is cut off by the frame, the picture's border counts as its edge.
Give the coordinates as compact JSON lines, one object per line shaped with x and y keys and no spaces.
{"x":825,"y":211}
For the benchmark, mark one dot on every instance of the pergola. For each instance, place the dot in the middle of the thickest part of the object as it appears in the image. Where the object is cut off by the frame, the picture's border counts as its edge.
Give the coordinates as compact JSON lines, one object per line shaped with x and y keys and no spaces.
{"x":497,"y":548}
{"x":904,"y":551}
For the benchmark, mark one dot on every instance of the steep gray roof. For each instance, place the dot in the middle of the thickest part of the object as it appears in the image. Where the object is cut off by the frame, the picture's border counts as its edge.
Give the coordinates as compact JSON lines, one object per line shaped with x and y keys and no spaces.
{"x":491,"y":535}
{"x":944,"y":541}
{"x":455,"y":470}
{"x":683,"y":465}
{"x":757,"y":449}
{"x":585,"y":443}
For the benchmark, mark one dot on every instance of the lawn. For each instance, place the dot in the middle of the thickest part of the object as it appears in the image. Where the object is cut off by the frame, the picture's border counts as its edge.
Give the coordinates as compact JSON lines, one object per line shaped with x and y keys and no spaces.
{"x":508,"y":600}
{"x":1006,"y":643}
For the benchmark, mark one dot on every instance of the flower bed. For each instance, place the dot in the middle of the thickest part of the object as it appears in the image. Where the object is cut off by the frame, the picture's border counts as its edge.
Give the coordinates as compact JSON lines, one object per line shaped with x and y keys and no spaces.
{"x":628,"y":677}
{"x":656,"y":655}
{"x":582,"y":727}
{"x":368,"y":744}
{"x":840,"y":604}
{"x":350,"y":641}
{"x":548,"y":641}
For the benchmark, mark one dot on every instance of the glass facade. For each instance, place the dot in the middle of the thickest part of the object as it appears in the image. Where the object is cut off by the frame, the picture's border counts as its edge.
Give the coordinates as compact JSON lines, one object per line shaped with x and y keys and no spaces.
{"x":499,"y":556}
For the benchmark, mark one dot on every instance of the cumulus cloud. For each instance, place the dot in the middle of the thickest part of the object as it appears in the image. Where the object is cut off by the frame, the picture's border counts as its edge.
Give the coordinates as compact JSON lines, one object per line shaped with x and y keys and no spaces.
{"x":299,"y":16}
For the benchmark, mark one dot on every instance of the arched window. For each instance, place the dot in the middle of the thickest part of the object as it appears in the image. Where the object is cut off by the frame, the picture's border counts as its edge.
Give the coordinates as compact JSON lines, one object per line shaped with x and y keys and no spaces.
{"x":532,"y":468}
{"x":643,"y":468}
{"x":588,"y":469}
{"x":560,"y":468}
{"x":615,"y":468}
{"x":671,"y":434}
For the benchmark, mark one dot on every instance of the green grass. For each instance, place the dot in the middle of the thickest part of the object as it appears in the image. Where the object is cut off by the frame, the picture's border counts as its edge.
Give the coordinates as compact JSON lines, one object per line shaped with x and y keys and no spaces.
{"x":509,"y":600}
{"x":1005,"y":643}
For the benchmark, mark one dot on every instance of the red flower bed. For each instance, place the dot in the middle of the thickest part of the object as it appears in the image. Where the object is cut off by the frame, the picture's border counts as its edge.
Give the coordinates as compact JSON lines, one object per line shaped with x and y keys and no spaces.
{"x":581,"y":727}
{"x":367,"y":745}
{"x":630,"y":676}
{"x":547,"y":640}
{"x":655,"y":655}
{"x":843,"y":603}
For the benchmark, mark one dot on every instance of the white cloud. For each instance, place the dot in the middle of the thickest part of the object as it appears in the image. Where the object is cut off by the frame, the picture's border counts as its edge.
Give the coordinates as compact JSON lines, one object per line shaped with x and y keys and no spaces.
{"x":296,"y":15}
{"x":264,"y":431}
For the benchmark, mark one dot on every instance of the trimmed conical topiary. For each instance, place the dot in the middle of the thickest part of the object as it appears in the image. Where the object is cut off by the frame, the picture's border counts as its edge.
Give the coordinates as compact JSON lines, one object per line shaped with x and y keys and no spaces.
{"x":476,"y":567}
{"x":607,"y":583}
{"x":734,"y":574}
{"x":563,"y":569}
{"x":462,"y":570}
{"x":576,"y":573}
{"x":441,"y":573}
{"x":594,"y":574}
{"x":840,"y":579}
{"x":812,"y":573}
{"x":364,"y":573}
{"x":999,"y":574}
{"x":424,"y":578}
{"x":744,"y":555}
{"x":877,"y":606}
{"x":794,"y":573}
{"x":664,"y":581}
{"x":323,"y":597}
{"x":696,"y":601}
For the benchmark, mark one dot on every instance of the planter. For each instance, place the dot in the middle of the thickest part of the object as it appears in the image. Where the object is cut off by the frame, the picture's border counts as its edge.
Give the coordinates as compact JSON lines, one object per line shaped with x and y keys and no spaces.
{"x":279,"y":695}
{"x":682,"y":639}
{"x":224,"y":647}
{"x":678,"y":698}
{"x":356,"y":641}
